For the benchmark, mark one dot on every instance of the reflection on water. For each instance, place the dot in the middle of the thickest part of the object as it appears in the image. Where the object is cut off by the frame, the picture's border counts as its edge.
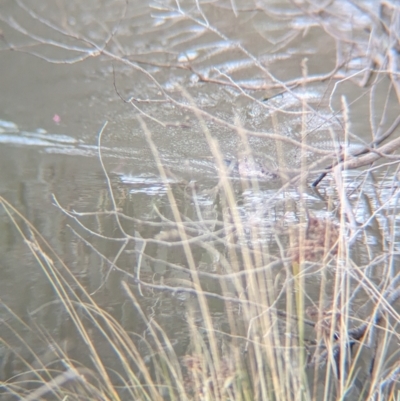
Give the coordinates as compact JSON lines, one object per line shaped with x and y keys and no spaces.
{"x":276,"y":96}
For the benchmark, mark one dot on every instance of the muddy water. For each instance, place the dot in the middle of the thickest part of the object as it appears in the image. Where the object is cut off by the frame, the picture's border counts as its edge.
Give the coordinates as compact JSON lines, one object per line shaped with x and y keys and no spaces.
{"x":52,"y":108}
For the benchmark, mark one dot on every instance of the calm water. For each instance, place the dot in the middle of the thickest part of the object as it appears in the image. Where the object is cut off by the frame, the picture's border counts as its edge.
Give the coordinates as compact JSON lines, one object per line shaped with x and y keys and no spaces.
{"x":51,"y":114}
